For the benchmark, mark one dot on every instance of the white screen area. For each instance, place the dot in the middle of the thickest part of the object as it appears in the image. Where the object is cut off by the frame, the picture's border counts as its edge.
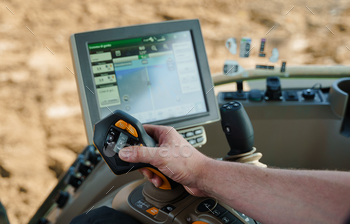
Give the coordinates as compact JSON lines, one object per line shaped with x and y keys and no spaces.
{"x":152,"y":78}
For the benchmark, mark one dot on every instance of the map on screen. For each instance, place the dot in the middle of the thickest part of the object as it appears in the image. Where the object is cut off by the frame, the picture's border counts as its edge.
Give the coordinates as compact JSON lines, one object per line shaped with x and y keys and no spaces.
{"x":153,"y":78}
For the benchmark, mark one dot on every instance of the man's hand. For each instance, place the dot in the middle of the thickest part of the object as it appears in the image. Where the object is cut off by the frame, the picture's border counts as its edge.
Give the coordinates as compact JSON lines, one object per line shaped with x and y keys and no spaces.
{"x":174,"y":157}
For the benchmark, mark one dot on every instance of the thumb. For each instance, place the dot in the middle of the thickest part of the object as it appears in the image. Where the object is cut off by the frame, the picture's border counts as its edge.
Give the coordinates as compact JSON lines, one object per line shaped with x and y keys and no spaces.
{"x":138,"y":154}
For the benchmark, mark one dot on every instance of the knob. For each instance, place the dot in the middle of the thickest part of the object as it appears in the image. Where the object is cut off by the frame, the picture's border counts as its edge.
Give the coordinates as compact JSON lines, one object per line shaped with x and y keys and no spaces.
{"x":255,"y":95}
{"x":308,"y":94}
{"x":83,"y":166}
{"x":237,"y":127}
{"x":73,"y":178}
{"x":61,"y":198}
{"x":43,"y":221}
{"x":92,"y":155}
{"x":273,"y":88}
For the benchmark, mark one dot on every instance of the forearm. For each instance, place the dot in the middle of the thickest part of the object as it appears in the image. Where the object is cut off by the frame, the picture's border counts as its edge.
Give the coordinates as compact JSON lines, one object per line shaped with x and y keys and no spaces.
{"x":279,"y":196}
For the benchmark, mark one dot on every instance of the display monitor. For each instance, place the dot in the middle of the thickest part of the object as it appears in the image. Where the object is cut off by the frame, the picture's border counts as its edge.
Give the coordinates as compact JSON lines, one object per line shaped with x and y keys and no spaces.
{"x":153,"y":78}
{"x":156,"y":72}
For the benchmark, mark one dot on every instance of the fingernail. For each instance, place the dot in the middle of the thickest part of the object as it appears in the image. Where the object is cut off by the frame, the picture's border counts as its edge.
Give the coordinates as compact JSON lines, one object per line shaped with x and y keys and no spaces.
{"x":155,"y":184}
{"x":144,"y":174}
{"x":124,"y":154}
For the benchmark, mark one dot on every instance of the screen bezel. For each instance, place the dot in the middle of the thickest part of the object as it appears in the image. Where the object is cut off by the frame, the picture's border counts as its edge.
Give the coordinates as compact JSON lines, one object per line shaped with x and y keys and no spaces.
{"x":83,"y":70}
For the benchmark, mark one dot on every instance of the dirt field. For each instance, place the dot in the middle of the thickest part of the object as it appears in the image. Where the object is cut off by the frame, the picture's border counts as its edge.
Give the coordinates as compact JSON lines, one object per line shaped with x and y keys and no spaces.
{"x":41,"y":127}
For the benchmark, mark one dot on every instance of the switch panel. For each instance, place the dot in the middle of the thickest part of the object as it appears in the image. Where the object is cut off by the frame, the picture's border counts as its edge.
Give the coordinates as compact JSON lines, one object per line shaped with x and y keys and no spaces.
{"x":288,"y":97}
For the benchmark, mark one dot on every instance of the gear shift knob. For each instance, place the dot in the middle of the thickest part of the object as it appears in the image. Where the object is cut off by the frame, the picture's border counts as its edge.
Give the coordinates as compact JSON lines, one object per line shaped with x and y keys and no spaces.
{"x":237,"y":127}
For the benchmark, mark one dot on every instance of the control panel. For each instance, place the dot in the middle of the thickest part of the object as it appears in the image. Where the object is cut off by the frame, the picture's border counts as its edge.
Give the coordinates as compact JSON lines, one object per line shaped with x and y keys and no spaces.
{"x":82,"y":167}
{"x":187,"y":209}
{"x":287,"y":96}
{"x":273,"y":93}
{"x":195,"y":136}
{"x":69,"y":183}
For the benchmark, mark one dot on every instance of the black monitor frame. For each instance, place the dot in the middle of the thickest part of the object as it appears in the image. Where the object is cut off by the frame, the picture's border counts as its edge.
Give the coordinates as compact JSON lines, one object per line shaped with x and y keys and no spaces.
{"x":84,"y":76}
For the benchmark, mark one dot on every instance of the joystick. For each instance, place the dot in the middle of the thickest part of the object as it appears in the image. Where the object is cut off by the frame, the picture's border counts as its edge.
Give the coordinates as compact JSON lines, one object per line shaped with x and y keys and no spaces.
{"x":237,"y":127}
{"x":239,"y":95}
{"x":308,"y":94}
{"x":273,"y":89}
{"x":117,"y":131}
{"x":239,"y":134}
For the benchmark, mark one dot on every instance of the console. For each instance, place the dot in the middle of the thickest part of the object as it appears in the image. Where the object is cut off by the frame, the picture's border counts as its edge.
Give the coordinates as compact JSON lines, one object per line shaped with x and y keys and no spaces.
{"x":187,"y":209}
{"x":171,"y":203}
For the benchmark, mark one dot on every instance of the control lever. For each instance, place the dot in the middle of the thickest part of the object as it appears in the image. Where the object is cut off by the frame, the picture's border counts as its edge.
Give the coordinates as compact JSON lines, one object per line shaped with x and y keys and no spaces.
{"x":239,"y":86}
{"x":117,"y":131}
{"x":237,"y":127}
{"x":273,"y":88}
{"x":239,"y":95}
{"x":239,"y":134}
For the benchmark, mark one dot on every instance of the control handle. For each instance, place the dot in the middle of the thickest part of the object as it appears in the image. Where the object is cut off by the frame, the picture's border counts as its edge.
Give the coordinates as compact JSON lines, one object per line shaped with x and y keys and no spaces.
{"x":237,"y":127}
{"x":120,"y":130}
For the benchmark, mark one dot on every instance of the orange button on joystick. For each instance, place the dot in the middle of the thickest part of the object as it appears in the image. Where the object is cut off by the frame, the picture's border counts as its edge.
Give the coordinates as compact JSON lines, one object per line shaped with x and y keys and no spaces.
{"x":121,"y":124}
{"x":199,"y":222}
{"x":132,"y":130}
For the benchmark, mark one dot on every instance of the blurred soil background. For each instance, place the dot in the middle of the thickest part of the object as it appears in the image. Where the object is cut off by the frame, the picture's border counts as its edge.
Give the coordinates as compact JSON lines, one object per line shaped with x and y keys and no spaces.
{"x":41,"y":126}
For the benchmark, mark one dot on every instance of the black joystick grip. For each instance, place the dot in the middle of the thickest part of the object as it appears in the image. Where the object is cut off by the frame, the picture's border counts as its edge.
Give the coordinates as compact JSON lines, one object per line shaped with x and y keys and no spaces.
{"x":237,"y":127}
{"x":120,"y":130}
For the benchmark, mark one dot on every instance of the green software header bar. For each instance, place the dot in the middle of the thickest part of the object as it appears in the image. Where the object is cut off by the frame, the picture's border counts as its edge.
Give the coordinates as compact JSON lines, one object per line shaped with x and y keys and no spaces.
{"x":117,"y":43}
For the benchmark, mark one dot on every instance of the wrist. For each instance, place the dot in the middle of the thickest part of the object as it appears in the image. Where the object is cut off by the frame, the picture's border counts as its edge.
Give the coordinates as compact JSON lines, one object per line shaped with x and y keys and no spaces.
{"x":205,"y":175}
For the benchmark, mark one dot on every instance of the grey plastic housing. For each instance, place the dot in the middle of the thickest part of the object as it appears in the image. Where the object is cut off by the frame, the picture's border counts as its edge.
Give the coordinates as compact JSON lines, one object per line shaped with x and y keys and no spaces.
{"x":79,"y":48}
{"x":340,"y":103}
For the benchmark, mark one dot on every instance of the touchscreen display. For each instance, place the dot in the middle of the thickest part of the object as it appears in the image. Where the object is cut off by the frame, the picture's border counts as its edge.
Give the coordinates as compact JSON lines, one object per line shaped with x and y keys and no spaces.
{"x":153,"y":78}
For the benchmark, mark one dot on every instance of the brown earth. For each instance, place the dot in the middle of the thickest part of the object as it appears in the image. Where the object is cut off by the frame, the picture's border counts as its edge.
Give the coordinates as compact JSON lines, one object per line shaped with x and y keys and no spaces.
{"x":41,"y":127}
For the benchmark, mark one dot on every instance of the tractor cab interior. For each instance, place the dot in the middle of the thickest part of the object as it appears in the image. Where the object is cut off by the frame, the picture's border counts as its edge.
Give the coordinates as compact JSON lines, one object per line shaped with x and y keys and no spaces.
{"x":288,"y":117}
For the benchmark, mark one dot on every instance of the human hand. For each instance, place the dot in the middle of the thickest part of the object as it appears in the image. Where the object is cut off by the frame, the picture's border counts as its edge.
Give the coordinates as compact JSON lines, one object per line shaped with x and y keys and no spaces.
{"x":174,"y":157}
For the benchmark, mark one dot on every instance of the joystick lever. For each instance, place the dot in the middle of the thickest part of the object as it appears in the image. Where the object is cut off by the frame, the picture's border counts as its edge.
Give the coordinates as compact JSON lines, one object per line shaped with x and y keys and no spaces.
{"x":239,"y":134}
{"x":237,"y":127}
{"x":117,"y":131}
